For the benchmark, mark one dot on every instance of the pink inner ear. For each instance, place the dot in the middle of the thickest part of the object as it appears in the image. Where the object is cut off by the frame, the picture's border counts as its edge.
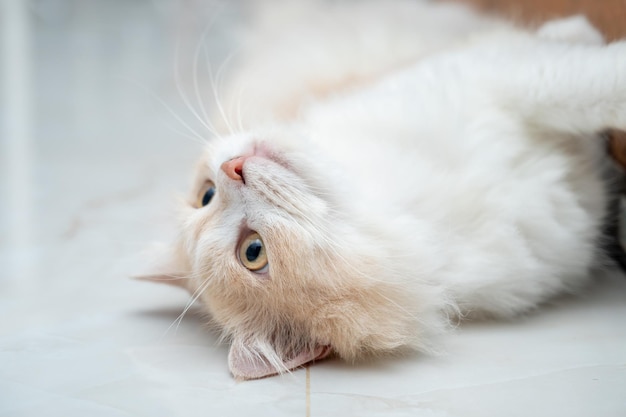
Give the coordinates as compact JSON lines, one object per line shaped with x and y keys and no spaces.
{"x":245,"y":366}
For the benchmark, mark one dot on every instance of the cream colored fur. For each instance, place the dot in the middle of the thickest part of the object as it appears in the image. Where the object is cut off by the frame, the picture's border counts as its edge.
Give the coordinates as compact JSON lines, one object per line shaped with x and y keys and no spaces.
{"x":470,"y":181}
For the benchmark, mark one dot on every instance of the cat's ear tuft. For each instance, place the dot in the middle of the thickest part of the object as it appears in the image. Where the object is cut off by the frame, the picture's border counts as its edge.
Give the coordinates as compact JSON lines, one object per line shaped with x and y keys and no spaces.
{"x":164,"y":266}
{"x":253,"y":360}
{"x":171,"y":278}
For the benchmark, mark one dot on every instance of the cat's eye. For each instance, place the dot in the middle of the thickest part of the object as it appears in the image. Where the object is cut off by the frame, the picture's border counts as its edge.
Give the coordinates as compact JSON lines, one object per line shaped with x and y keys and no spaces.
{"x":206,"y":194}
{"x":252,"y":253}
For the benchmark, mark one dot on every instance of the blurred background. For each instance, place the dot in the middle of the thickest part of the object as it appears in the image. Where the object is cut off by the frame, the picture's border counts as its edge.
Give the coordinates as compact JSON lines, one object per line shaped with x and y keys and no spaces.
{"x":607,"y":15}
{"x":92,"y":106}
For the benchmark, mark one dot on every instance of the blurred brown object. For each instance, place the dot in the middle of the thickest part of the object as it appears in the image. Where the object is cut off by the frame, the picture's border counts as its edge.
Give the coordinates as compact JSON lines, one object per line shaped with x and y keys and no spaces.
{"x":607,"y":15}
{"x":617,"y":146}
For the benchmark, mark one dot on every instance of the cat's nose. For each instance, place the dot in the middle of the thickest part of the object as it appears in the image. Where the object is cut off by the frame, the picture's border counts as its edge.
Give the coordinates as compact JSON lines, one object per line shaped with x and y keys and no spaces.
{"x":234,"y":168}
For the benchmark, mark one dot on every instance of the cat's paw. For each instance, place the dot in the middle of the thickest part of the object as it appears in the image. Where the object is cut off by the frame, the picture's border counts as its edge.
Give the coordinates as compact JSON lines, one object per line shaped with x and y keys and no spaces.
{"x":574,"y":29}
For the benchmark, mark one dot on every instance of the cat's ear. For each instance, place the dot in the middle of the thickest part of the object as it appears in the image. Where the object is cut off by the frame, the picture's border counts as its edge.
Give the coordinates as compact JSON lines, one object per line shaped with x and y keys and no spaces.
{"x":247,"y":360}
{"x":171,"y":278}
{"x":164,"y":266}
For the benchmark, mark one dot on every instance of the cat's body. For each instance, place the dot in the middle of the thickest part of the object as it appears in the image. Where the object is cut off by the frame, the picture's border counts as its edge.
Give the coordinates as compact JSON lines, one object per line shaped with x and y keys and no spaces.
{"x":472,"y":182}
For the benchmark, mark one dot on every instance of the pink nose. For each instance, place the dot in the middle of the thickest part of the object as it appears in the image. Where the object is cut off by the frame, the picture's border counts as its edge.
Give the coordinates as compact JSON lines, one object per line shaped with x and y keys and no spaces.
{"x":234,"y":168}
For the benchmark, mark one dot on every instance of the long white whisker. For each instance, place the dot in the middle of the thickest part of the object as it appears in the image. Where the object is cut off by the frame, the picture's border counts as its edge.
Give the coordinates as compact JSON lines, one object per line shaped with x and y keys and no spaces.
{"x":239,"y":116}
{"x":195,"y":134}
{"x":200,"y":140}
{"x":183,"y":96}
{"x":194,"y":298}
{"x":195,"y":69}
{"x":219,"y":72}
{"x":216,"y":93}
{"x":208,"y":123}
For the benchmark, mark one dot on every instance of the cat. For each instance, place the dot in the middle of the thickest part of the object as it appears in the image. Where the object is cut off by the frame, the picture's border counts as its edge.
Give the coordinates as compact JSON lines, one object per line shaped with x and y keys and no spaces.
{"x":363,"y":209}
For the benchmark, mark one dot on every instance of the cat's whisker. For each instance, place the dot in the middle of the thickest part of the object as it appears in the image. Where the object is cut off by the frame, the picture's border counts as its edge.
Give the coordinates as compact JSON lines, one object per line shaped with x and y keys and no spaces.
{"x":236,"y":103}
{"x":194,"y":297}
{"x":218,"y":78}
{"x":216,"y":97}
{"x":200,"y":140}
{"x":183,"y":95}
{"x":194,"y":134}
{"x":238,"y":109}
{"x":199,"y":47}
{"x":206,"y":121}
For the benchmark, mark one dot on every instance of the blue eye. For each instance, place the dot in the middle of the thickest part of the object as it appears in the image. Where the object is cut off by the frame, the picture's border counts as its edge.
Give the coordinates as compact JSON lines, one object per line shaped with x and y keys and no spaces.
{"x":206,"y":195}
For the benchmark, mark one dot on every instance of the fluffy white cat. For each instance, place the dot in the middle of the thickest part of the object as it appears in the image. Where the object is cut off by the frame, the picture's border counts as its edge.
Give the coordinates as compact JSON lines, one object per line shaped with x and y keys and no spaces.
{"x":401,"y":166}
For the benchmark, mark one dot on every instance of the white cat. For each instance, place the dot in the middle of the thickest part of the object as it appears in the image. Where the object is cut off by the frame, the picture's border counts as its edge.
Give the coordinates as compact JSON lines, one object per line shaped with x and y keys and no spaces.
{"x":370,"y":202}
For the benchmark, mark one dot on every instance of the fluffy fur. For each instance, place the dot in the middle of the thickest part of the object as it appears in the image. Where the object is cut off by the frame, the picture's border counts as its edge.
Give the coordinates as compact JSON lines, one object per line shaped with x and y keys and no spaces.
{"x":392,"y":197}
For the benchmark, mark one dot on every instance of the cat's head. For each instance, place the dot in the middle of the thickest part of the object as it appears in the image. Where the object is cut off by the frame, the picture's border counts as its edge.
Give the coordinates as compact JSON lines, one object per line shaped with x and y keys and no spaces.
{"x":277,"y":249}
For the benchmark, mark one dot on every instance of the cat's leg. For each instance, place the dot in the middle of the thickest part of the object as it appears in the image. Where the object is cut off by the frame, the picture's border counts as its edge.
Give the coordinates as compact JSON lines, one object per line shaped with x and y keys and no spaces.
{"x":574,"y":29}
{"x":569,"y":88}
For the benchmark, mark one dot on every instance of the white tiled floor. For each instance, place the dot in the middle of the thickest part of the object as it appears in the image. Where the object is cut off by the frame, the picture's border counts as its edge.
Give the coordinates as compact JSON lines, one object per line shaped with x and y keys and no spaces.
{"x":92,"y":162}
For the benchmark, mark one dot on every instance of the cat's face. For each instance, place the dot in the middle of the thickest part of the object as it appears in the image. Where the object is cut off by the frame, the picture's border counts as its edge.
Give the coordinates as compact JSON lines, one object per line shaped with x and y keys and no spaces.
{"x":280,"y":261}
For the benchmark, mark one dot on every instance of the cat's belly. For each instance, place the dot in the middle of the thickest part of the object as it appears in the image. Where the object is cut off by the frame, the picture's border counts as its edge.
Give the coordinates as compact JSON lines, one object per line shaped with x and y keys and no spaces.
{"x":515,"y":217}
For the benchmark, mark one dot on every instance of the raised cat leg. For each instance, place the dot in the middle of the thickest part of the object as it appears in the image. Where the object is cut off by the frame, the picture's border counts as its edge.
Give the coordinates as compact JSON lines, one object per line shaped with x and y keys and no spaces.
{"x":574,"y":29}
{"x":569,"y":88}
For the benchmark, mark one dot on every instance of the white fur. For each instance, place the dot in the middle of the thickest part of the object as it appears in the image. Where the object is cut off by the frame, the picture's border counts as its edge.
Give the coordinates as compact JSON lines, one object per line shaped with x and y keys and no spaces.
{"x":470,"y":182}
{"x":515,"y":209}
